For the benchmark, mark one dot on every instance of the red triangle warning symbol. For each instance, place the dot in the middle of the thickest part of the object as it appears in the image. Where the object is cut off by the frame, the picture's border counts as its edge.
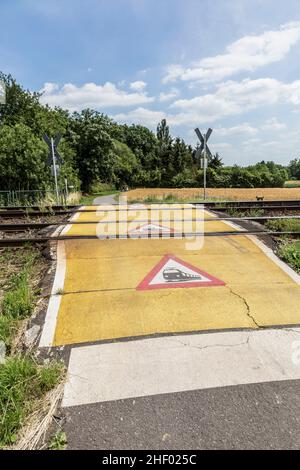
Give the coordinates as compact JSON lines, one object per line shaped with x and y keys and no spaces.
{"x":151,"y":228}
{"x":172,"y":272}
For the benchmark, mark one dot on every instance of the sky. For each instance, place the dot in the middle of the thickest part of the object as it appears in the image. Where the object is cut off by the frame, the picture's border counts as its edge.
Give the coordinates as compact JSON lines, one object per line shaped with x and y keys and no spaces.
{"x":232,"y":65}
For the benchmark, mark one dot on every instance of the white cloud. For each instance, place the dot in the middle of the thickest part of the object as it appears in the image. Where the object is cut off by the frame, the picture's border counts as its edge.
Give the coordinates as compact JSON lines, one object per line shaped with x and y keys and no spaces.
{"x":243,"y":128}
{"x":173,"y":93}
{"x":220,"y":146}
{"x":233,"y":98}
{"x":49,"y":88}
{"x":272,"y":143}
{"x":173,"y":73}
{"x":245,"y":54}
{"x":91,"y":95}
{"x":273,"y":125}
{"x":230,"y":98}
{"x":139,"y":85}
{"x":251,"y":142}
{"x":143,"y":116}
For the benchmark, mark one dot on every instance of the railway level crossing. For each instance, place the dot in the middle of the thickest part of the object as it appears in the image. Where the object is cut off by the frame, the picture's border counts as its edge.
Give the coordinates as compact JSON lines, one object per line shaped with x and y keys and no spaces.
{"x":139,"y":287}
{"x":153,"y":315}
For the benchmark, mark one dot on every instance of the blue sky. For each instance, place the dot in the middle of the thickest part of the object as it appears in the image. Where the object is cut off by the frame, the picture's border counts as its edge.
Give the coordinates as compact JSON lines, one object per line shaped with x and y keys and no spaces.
{"x":232,"y":65}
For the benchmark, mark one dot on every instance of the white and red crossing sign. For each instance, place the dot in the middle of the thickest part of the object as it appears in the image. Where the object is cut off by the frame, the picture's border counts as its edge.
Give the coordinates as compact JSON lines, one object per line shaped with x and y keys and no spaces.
{"x":172,"y":272}
{"x":151,"y":229}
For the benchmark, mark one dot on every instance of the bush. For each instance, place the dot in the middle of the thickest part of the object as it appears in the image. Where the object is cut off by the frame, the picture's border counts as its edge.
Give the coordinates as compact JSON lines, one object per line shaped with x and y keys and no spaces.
{"x":98,"y":187}
{"x":185,"y":179}
{"x":290,"y":253}
{"x":284,"y":225}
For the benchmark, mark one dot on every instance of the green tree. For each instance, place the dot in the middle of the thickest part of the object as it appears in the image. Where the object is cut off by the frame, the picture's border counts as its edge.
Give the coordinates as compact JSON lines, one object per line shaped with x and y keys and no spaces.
{"x":24,"y":108}
{"x":163,"y":133}
{"x":143,"y":143}
{"x":94,"y":147}
{"x":294,"y":168}
{"x":215,"y":161}
{"x":181,"y":156}
{"x":22,"y":159}
{"x":125,"y":165}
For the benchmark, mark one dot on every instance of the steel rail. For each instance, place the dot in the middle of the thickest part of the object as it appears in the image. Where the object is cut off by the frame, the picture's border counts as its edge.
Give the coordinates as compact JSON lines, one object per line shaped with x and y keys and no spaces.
{"x":40,"y":225}
{"x":276,"y":202}
{"x":8,"y":215}
{"x":15,"y":242}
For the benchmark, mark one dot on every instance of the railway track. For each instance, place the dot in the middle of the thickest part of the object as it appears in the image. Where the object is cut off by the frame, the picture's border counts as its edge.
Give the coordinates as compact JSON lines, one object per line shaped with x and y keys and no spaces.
{"x":35,"y":211}
{"x":17,"y":242}
{"x":21,"y":227}
{"x":28,"y":225}
{"x":39,"y":214}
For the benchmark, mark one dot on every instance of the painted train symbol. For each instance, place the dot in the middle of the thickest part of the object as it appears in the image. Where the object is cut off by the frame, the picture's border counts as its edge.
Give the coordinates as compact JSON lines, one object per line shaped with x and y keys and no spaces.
{"x":176,"y":275}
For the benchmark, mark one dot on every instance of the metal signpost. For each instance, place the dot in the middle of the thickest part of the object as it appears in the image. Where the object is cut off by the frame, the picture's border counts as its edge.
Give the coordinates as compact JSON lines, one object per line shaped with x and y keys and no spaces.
{"x":54,"y":159}
{"x":54,"y":169}
{"x":2,"y":92}
{"x":203,"y":149}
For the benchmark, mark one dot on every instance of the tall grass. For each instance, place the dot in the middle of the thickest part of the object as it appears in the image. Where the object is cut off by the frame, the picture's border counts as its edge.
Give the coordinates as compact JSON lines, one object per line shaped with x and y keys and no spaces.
{"x":18,"y":299}
{"x":290,"y":252}
{"x":284,"y":225}
{"x":22,"y":383}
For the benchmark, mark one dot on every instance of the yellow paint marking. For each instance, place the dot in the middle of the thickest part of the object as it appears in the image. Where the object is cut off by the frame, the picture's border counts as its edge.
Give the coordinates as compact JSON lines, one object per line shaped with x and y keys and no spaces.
{"x":117,"y":222}
{"x":101,"y":301}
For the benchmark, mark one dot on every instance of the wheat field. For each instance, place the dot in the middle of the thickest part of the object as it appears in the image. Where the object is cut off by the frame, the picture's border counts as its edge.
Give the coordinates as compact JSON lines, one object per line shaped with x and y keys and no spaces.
{"x":246,"y":194}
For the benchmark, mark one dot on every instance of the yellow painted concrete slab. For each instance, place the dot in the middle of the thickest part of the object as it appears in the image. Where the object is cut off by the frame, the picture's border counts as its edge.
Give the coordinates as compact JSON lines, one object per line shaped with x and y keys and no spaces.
{"x":101,"y":301}
{"x":140,"y":228}
{"x":107,"y":249}
{"x":118,"y":213}
{"x":116,"y":314}
{"x":135,"y":222}
{"x":129,"y":207}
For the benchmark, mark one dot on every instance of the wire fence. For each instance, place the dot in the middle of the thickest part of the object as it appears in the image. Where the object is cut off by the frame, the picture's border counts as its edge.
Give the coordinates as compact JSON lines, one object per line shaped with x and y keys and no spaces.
{"x":32,"y":197}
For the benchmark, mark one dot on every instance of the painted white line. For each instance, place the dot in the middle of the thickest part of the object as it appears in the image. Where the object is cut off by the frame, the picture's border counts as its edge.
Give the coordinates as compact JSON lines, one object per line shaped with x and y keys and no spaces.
{"x":74,"y":217}
{"x":54,"y":301}
{"x":47,"y":335}
{"x":172,"y":364}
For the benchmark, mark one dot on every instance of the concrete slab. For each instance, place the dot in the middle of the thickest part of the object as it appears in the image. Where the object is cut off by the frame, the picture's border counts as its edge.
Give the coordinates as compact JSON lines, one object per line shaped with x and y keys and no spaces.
{"x":179,"y":363}
{"x":101,"y":298}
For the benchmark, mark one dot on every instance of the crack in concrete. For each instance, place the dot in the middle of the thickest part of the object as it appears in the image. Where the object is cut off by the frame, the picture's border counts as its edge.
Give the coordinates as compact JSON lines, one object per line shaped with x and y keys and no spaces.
{"x":92,"y":291}
{"x":247,"y":307}
{"x":289,"y":330}
{"x":212,"y":345}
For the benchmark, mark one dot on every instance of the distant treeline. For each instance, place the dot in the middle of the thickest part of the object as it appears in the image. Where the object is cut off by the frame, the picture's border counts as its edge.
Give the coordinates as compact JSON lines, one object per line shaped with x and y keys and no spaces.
{"x":98,"y":151}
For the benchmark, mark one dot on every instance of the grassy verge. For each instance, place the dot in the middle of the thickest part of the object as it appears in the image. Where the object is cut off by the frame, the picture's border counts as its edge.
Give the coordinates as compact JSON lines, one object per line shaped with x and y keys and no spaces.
{"x":23,"y":381}
{"x":290,"y":253}
{"x":18,"y":294}
{"x":58,"y":441}
{"x":289,"y":250}
{"x":169,"y":198}
{"x":88,"y":199}
{"x":248,"y":213}
{"x":284,"y":225}
{"x":292,"y":184}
